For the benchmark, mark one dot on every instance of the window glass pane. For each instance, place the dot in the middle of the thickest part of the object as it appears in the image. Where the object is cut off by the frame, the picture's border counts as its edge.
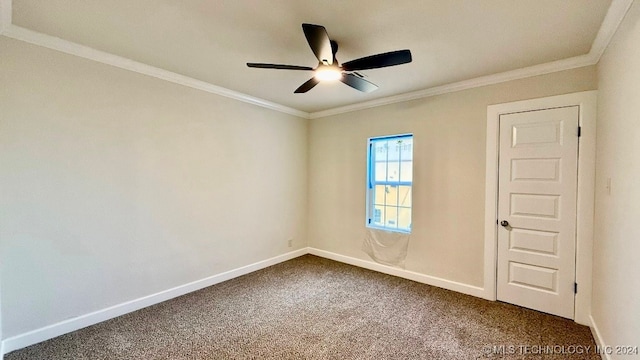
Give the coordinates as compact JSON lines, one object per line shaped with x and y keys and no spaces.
{"x":380,"y":151}
{"x":378,"y":215}
{"x":391,"y":217}
{"x":406,"y":171}
{"x":392,"y":195}
{"x":404,"y":219}
{"x":390,"y":164}
{"x":393,"y":171}
{"x":381,"y":171}
{"x":406,"y":149}
{"x":394,"y":150}
{"x":379,"y":195}
{"x":404,"y":195}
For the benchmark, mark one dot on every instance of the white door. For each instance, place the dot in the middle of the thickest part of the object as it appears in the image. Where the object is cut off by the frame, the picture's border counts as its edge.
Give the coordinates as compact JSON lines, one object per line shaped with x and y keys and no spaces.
{"x":538,"y":164}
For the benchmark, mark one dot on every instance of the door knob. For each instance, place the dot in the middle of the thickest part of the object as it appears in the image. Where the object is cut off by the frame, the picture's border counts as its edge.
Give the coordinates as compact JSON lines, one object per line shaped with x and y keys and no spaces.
{"x":504,"y":223}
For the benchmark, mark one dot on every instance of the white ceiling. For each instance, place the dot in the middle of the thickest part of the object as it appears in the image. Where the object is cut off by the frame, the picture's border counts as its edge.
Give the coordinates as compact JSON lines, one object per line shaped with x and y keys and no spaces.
{"x":212,"y":40}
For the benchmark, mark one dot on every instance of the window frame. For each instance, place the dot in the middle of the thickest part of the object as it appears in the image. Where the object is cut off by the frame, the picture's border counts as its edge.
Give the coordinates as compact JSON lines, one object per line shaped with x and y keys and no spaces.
{"x":371,"y":183}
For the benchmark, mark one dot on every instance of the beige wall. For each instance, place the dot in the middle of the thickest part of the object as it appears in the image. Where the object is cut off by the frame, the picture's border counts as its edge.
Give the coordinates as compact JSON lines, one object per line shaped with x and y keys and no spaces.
{"x":449,"y":170}
{"x":616,"y":263}
{"x":115,"y":185}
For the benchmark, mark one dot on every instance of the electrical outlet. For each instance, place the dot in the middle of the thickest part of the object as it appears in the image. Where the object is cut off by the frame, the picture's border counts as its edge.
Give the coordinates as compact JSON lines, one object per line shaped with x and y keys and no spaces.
{"x":290,"y":242}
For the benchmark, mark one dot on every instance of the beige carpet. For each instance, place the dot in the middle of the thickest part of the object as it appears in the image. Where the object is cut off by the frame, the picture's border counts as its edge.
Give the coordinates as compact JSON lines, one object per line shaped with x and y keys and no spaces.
{"x":313,"y":308}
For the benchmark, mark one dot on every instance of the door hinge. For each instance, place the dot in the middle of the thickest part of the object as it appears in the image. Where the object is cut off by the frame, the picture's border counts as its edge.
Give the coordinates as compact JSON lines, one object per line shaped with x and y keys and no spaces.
{"x":579,"y":131}
{"x":575,"y":288}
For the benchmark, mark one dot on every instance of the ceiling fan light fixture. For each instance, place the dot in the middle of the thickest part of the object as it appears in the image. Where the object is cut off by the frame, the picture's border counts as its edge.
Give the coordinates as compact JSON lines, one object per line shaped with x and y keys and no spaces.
{"x":329,"y":70}
{"x":328,"y":73}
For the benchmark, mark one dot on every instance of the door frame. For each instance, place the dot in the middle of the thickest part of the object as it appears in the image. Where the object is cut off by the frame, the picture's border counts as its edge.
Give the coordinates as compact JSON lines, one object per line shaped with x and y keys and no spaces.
{"x":587,"y":101}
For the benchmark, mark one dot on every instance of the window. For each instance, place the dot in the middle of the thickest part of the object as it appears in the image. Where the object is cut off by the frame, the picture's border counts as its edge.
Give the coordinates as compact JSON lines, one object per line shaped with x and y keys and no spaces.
{"x":390,"y":177}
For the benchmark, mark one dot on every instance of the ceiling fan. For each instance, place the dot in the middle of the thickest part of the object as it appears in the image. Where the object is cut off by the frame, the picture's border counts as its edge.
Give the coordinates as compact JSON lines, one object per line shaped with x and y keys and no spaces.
{"x":329,"y":69}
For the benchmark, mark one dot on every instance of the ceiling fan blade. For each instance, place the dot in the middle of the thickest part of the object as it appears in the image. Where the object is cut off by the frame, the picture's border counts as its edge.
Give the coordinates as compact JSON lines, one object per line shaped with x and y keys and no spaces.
{"x":319,"y":42}
{"x":334,"y":49}
{"x":378,"y":61}
{"x":358,"y":83}
{"x":278,"y":66}
{"x":307,"y":85}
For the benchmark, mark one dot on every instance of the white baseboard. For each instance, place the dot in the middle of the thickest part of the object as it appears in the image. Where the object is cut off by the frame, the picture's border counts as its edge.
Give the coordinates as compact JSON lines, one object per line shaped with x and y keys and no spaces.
{"x":406,"y":274}
{"x":67,"y":326}
{"x":597,"y":336}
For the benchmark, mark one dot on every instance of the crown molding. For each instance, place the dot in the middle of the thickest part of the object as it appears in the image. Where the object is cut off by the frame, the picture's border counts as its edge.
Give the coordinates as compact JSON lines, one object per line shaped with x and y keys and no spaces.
{"x":5,"y":15}
{"x":68,"y":47}
{"x":541,"y":69}
{"x":615,"y":14}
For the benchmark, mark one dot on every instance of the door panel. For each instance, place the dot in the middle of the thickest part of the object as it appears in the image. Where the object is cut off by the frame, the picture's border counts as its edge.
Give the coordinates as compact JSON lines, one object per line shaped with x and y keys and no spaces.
{"x":534,"y":205}
{"x":532,"y":276}
{"x":547,"y":170}
{"x":537,"y":197}
{"x":534,"y":241}
{"x":536,"y":135}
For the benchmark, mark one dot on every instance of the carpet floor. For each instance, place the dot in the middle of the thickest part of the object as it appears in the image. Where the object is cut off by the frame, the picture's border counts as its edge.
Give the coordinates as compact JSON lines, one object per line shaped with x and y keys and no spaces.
{"x":313,"y":308}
